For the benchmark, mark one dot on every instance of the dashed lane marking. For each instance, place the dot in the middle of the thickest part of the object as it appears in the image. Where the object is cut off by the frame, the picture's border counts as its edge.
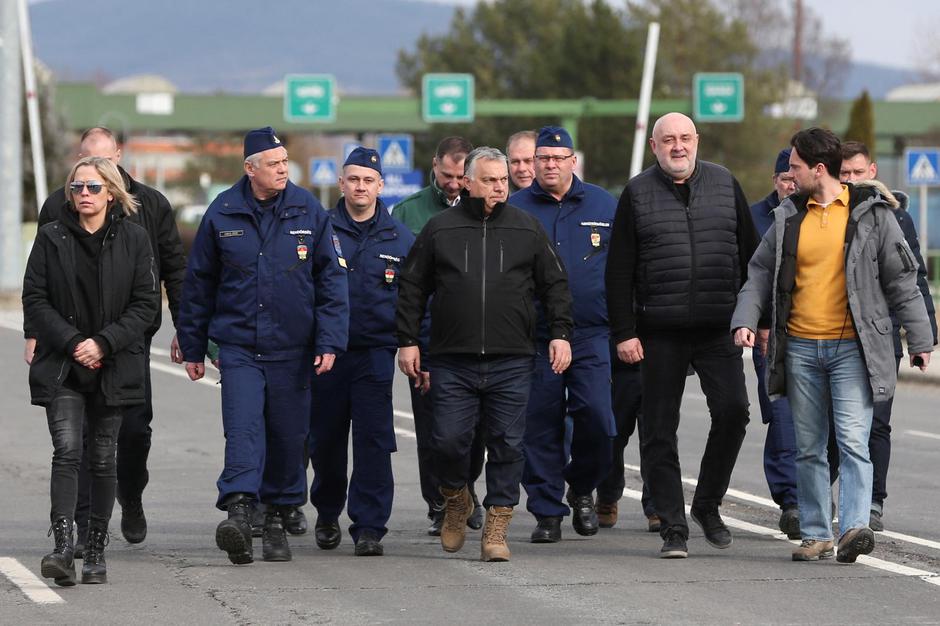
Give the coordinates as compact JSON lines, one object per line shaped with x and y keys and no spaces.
{"x":921,"y":433}
{"x":33,"y":587}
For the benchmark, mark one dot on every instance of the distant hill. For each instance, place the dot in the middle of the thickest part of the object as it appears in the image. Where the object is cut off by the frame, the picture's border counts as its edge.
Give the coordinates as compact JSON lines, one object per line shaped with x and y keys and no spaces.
{"x":232,"y":45}
{"x":246,"y":45}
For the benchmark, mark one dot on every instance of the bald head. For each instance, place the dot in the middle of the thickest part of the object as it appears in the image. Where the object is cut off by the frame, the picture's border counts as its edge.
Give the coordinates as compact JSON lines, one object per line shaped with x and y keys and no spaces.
{"x":675,"y":144}
{"x":100,"y":142}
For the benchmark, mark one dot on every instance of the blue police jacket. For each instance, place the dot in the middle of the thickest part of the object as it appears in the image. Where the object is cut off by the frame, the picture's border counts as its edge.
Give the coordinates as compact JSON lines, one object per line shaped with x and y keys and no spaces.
{"x":579,"y":225}
{"x":374,"y":251}
{"x":280,"y":293}
{"x":762,"y":212}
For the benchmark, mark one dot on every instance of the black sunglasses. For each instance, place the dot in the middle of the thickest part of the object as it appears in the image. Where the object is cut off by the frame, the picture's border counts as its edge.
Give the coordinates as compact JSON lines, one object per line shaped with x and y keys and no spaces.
{"x":94,"y":187}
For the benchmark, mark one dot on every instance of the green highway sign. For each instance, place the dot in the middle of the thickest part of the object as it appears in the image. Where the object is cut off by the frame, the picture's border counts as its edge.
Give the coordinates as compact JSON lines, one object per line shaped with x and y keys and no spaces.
{"x":718,"y":97}
{"x":447,"y":98}
{"x":309,"y":98}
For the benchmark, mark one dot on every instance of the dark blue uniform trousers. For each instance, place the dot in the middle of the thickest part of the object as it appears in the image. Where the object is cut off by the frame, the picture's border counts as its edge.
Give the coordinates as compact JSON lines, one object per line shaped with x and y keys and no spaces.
{"x":357,"y":392}
{"x":626,"y":399}
{"x":266,"y":416}
{"x":466,"y":390}
{"x":587,"y":382}
{"x":780,"y":445}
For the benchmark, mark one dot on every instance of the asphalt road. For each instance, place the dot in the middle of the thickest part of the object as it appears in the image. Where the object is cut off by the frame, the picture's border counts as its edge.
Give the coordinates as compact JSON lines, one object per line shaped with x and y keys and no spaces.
{"x":178,"y":575}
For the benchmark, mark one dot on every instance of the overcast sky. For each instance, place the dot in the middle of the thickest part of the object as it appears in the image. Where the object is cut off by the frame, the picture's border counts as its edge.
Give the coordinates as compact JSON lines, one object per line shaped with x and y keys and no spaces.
{"x":886,"y":32}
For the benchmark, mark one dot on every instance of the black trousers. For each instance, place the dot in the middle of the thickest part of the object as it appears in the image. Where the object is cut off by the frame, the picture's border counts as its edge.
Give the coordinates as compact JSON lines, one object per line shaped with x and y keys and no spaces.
{"x":423,"y":411}
{"x":626,"y":399}
{"x":718,"y":363}
{"x":133,"y":450}
{"x":67,"y":416}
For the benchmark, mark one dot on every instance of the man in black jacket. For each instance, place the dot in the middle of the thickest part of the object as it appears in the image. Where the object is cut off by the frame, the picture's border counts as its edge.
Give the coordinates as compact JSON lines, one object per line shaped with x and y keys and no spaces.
{"x":484,"y":262}
{"x":683,"y":236}
{"x":156,"y":217}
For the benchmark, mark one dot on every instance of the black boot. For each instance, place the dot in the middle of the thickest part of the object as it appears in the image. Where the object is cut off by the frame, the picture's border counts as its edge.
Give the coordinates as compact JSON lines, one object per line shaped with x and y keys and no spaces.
{"x":274,"y":538}
{"x":133,"y":522}
{"x":59,"y":564}
{"x":475,"y":521}
{"x":81,"y":536}
{"x":234,"y":534}
{"x":94,"y":569}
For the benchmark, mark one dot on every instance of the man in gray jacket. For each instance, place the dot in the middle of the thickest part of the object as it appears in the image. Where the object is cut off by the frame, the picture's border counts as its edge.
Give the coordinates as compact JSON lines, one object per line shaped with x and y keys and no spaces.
{"x":830,"y":268}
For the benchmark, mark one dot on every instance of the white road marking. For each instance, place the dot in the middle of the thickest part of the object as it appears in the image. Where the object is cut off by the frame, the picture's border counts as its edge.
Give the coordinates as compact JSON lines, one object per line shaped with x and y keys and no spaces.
{"x":921,"y":433}
{"x":34,"y":588}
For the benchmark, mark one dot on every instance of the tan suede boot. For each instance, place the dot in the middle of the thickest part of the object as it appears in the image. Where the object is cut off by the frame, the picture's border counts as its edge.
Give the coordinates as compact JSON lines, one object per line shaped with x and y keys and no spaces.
{"x":606,"y":514}
{"x":458,"y":505}
{"x":494,"y":546}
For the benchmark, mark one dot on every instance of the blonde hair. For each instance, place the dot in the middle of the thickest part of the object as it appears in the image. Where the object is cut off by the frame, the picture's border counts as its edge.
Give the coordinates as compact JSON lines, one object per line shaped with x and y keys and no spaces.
{"x":112,"y":180}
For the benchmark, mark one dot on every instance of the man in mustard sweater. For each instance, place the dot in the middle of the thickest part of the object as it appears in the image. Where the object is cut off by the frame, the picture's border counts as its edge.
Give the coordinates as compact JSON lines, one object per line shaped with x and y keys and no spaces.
{"x":829,"y":270}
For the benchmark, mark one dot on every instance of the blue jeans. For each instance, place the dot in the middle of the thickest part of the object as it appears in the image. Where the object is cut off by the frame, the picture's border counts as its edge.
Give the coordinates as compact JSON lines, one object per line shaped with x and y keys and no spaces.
{"x":821,"y":373}
{"x":465,"y":390}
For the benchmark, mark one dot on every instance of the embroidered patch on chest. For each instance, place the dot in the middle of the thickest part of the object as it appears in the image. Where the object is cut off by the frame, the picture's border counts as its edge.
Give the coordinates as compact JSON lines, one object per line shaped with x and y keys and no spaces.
{"x":388,"y":257}
{"x":231,"y":233}
{"x":596,"y":224}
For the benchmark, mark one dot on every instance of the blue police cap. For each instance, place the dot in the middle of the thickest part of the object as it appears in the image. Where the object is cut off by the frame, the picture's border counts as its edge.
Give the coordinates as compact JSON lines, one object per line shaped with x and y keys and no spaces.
{"x":554,"y":137}
{"x":365,"y":157}
{"x":783,"y":161}
{"x":259,"y":140}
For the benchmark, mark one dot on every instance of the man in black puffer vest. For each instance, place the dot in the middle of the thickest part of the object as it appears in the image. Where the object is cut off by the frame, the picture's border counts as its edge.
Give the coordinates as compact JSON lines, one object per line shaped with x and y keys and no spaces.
{"x":683,"y":236}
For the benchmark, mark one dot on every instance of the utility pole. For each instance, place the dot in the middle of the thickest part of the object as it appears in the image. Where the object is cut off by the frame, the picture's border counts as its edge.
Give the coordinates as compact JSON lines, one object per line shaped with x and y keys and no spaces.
{"x":11,"y":150}
{"x":646,"y":94}
{"x":798,"y":42}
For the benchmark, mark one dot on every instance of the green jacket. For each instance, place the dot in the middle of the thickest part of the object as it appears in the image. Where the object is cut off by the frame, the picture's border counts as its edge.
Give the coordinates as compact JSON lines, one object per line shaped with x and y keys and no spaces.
{"x":415,"y":210}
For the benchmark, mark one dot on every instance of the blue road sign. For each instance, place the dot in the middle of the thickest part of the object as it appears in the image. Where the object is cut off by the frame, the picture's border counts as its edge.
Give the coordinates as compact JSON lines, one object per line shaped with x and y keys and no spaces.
{"x":323,"y":172}
{"x":400,"y":186}
{"x":397,"y":152}
{"x":923,"y":166}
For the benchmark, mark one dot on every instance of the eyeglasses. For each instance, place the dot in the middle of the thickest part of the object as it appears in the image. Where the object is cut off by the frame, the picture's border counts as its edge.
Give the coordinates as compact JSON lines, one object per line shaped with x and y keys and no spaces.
{"x":545,"y":159}
{"x":94,"y":187}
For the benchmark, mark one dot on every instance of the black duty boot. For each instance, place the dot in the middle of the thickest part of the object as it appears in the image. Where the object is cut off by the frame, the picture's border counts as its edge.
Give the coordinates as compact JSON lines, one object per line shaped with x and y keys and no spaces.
{"x":583,"y":515}
{"x":256,"y":518}
{"x":59,"y":563}
{"x":295,"y":521}
{"x":548,"y":530}
{"x":94,"y":569}
{"x":133,"y":522}
{"x":369,"y":543}
{"x":234,"y":534}
{"x":80,"y":536}
{"x":274,"y":538}
{"x":328,"y":534}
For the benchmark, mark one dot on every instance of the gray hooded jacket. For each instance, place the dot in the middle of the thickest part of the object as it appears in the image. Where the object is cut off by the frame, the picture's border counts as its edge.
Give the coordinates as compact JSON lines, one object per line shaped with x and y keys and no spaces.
{"x":880,"y":274}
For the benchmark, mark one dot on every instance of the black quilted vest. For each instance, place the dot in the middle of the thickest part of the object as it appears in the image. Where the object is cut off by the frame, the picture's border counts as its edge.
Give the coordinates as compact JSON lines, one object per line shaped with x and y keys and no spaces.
{"x":687,"y":256}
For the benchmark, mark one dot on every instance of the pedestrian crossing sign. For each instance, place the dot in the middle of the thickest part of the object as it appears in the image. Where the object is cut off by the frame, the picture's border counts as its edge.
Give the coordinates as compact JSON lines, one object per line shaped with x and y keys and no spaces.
{"x":923,"y":166}
{"x":397,"y":152}
{"x":323,"y":172}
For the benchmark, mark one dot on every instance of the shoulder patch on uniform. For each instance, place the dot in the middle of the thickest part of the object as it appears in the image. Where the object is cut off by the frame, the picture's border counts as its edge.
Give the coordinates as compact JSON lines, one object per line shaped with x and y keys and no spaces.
{"x":596,"y":224}
{"x":339,"y":251}
{"x":231,"y":233}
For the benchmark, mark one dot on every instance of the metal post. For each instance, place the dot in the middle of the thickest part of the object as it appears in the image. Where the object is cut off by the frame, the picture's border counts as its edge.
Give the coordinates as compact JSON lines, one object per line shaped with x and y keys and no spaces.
{"x":11,"y":151}
{"x":32,"y":103}
{"x":924,"y":250}
{"x":646,"y":93}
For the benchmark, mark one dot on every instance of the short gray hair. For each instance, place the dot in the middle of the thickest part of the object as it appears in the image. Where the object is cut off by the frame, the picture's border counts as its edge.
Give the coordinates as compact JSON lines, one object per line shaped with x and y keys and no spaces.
{"x":254,"y":160}
{"x":484,"y":153}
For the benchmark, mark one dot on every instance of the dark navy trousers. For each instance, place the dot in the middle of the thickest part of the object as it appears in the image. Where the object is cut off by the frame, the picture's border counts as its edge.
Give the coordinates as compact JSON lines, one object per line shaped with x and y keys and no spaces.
{"x":780,"y":444}
{"x":582,"y":392}
{"x":626,"y":399}
{"x":356,"y":394}
{"x":467,"y":390}
{"x":266,"y":416}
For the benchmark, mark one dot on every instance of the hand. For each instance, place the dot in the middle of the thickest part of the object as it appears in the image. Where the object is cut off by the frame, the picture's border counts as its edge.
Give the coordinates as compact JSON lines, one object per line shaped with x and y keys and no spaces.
{"x":559,"y":355}
{"x":744,"y":337}
{"x":630,"y":351}
{"x":926,"y":359}
{"x":195,"y":370}
{"x":323,"y":363}
{"x":176,"y":355}
{"x":423,"y":382}
{"x":29,"y":351}
{"x":88,"y":352}
{"x":409,"y":362}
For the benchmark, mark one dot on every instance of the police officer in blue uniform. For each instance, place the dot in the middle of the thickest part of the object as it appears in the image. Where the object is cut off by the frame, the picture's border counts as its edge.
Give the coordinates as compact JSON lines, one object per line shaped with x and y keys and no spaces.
{"x":357,"y":392}
{"x":577,"y":217}
{"x":264,"y":282}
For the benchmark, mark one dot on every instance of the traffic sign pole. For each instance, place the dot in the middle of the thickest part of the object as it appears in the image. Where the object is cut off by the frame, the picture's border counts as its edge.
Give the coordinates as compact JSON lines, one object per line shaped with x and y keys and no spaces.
{"x":923,"y":221}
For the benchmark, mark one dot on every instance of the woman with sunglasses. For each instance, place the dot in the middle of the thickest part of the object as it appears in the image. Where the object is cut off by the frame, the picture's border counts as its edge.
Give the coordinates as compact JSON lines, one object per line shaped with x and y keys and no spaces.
{"x":90,"y":292}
